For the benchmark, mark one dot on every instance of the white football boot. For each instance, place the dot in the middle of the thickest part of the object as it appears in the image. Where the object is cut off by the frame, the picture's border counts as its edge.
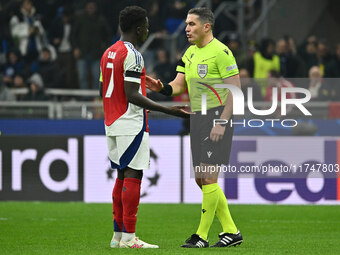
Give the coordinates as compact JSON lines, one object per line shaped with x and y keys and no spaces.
{"x":114,"y":243}
{"x":136,"y":243}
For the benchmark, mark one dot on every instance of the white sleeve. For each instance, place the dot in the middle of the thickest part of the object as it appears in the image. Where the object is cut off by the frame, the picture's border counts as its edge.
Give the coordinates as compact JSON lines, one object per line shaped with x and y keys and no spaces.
{"x":133,"y":66}
{"x":18,"y":29}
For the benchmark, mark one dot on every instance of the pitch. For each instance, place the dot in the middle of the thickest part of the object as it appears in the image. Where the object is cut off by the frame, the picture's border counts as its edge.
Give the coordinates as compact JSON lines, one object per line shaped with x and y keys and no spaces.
{"x":78,"y":228}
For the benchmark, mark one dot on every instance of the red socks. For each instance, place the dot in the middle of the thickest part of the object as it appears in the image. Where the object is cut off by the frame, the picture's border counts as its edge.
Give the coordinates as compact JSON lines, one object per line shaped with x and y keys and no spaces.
{"x":117,"y":206}
{"x":130,"y":200}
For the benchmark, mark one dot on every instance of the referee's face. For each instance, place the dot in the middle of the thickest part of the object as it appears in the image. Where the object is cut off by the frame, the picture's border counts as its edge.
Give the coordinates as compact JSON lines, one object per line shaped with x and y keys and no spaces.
{"x":195,"y":30}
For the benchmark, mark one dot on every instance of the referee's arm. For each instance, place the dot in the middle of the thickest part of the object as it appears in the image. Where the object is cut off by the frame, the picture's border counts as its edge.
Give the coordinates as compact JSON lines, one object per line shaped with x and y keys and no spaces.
{"x":178,"y":84}
{"x":228,"y":108}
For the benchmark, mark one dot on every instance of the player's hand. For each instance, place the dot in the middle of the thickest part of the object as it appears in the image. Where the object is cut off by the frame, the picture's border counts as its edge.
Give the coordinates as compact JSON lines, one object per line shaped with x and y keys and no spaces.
{"x":180,"y":111}
{"x":153,"y":84}
{"x":216,"y":133}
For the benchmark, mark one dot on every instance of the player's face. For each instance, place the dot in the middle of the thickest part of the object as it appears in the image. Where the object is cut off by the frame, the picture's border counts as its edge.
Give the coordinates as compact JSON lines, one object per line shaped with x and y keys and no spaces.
{"x":143,"y":31}
{"x":195,"y":30}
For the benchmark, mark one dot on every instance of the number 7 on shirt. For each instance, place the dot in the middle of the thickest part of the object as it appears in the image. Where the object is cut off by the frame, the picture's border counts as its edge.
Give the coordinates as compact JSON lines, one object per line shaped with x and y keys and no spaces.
{"x":111,"y":83}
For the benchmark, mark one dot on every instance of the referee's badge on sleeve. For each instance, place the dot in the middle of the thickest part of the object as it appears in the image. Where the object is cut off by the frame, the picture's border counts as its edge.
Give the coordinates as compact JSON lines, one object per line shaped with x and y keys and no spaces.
{"x":202,"y":70}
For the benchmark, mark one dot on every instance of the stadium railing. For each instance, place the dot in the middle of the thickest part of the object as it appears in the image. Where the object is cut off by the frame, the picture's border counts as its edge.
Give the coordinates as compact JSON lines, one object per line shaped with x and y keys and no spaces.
{"x":94,"y":109}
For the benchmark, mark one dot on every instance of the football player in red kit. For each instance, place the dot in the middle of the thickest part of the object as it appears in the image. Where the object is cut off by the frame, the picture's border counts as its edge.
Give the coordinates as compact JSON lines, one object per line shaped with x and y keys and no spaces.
{"x":122,"y":86}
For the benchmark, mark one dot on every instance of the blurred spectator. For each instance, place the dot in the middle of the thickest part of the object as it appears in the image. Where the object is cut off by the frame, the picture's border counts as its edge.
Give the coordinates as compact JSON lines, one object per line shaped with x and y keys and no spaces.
{"x":5,"y":37}
{"x":177,"y":12}
{"x":332,"y":70}
{"x":27,"y":31}
{"x":60,"y":36}
{"x":234,"y":44}
{"x":14,"y":66}
{"x":5,"y":93}
{"x":156,"y":26}
{"x":35,"y":89}
{"x":164,"y":70}
{"x":318,"y":89}
{"x":247,"y":82}
{"x":323,"y":55}
{"x":290,"y":65}
{"x":49,"y":69}
{"x":263,"y":61}
{"x":156,"y":20}
{"x":90,"y":38}
{"x":250,"y":51}
{"x":19,"y":83}
{"x":308,"y":52}
{"x":291,"y":45}
{"x":224,"y":22}
{"x":276,"y":81}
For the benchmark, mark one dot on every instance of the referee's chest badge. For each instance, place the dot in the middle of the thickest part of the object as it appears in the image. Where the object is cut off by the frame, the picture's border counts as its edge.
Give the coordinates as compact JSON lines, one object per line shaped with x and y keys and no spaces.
{"x":202,"y":70}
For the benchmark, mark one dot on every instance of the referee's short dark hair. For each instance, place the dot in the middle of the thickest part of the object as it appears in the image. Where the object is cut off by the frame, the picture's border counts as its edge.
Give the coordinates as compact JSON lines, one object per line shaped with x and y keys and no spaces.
{"x":204,"y":14}
{"x":131,"y":17}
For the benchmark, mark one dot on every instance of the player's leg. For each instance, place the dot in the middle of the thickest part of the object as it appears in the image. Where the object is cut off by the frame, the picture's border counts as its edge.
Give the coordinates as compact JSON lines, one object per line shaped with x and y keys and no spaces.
{"x":130,"y":201}
{"x":117,"y":211}
{"x":117,"y":207}
{"x":135,"y":155}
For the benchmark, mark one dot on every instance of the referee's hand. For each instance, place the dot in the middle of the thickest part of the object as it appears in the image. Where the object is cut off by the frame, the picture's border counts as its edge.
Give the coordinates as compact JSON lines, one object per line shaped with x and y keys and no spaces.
{"x":216,"y":133}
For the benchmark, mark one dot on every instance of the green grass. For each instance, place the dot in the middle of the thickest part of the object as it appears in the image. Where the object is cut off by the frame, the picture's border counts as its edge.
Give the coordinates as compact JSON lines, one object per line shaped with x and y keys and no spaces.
{"x":78,"y":228}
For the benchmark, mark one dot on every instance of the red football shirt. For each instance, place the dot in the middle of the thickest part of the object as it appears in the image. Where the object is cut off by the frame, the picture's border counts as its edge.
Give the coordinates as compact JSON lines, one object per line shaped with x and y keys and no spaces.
{"x":122,"y":62}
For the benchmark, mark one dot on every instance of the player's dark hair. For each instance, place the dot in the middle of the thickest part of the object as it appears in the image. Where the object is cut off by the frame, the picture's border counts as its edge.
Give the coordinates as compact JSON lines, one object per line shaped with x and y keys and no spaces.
{"x":204,"y":14}
{"x":131,"y":17}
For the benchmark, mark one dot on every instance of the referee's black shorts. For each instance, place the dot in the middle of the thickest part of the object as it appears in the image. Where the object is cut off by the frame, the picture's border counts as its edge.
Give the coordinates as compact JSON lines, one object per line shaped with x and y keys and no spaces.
{"x":202,"y":148}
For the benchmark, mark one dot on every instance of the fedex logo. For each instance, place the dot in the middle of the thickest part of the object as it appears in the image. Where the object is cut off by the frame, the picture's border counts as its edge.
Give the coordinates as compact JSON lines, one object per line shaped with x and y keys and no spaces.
{"x":255,"y":152}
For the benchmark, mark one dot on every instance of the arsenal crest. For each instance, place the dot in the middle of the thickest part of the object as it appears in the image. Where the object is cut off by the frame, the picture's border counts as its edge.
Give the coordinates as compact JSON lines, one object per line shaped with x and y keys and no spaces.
{"x":202,"y":70}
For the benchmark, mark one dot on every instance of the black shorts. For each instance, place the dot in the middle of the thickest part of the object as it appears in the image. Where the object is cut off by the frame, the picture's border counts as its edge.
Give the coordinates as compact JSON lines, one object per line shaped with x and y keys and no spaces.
{"x":202,"y":148}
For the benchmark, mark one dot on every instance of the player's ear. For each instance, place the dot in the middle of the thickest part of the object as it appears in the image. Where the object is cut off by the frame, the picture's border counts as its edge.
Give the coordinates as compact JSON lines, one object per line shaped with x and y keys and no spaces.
{"x":138,"y":30}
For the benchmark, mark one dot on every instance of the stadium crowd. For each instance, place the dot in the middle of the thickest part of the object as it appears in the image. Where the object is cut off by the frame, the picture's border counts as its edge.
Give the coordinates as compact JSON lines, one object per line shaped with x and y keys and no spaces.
{"x":58,"y":44}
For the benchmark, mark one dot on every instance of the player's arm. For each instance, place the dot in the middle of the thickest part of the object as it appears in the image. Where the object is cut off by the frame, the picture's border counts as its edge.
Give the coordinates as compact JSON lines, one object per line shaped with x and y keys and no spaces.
{"x":134,"y":97}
